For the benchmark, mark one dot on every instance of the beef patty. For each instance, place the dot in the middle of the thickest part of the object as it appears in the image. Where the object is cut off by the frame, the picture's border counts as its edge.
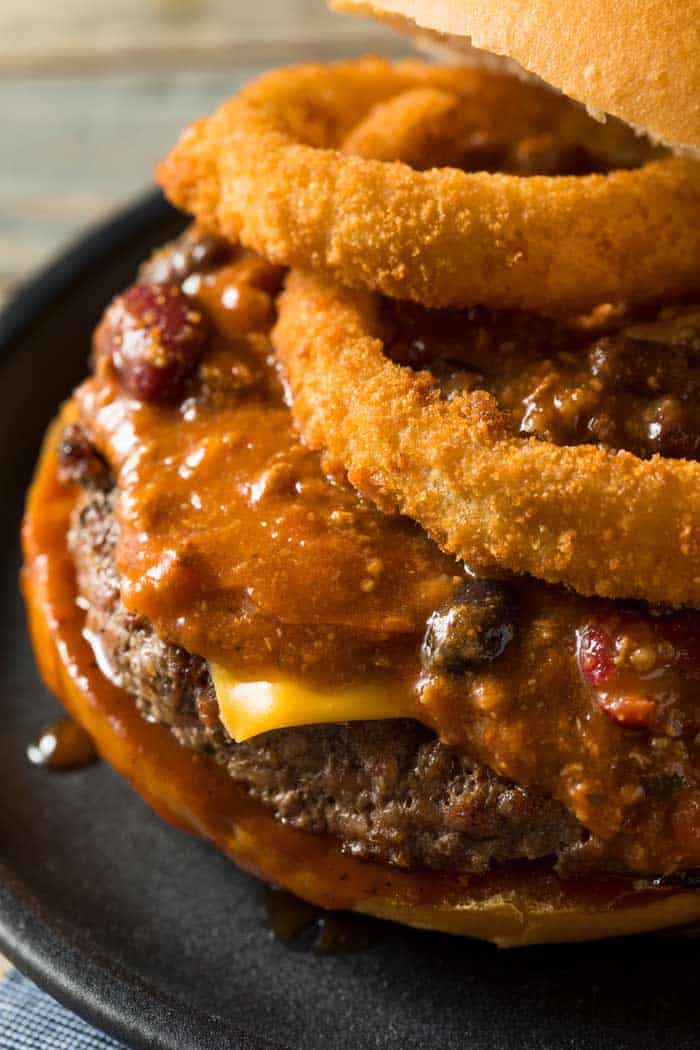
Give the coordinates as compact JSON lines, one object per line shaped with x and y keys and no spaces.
{"x":388,"y":790}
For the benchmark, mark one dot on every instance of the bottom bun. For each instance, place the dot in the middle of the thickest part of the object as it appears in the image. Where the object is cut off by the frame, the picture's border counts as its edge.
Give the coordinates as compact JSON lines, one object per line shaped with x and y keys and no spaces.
{"x":519,"y":904}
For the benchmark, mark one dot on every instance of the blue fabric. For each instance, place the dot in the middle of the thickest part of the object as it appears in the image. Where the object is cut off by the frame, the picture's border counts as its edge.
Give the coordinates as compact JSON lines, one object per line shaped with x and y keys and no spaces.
{"x":32,"y":1020}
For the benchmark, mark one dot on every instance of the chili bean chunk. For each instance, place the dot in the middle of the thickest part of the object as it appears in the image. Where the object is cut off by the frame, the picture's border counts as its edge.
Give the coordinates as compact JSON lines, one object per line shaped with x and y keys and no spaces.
{"x":474,"y":627}
{"x":192,"y":253}
{"x":156,"y":336}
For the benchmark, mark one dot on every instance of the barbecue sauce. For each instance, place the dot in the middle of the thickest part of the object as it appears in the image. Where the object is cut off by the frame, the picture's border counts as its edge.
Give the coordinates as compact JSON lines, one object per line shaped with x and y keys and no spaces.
{"x":193,"y":792}
{"x":302,"y":925}
{"x":62,"y":745}
{"x":241,"y":545}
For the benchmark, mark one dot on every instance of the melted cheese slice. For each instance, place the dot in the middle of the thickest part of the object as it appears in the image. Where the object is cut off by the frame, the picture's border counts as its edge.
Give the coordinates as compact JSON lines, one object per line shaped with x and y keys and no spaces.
{"x":247,"y":709}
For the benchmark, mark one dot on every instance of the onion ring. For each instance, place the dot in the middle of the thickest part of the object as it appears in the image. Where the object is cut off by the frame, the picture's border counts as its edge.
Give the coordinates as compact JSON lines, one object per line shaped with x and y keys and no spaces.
{"x":417,"y":127}
{"x":604,"y":522}
{"x":267,"y":169}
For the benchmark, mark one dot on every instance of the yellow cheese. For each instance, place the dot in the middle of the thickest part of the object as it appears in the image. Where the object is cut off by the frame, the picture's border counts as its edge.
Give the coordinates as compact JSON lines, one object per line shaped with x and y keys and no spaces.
{"x":247,"y":709}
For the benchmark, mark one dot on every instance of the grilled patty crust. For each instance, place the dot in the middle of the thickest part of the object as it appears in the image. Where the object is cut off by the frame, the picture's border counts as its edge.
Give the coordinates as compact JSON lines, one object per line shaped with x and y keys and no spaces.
{"x":388,"y":790}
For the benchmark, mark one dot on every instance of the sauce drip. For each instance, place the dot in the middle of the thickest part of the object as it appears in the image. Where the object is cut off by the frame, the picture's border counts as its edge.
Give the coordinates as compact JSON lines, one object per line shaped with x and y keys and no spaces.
{"x":295,"y":921}
{"x":61,"y":746}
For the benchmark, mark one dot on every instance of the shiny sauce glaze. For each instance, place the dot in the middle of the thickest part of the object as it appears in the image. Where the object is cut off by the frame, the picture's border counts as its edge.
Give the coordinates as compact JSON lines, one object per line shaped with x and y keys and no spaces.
{"x":622,"y":382}
{"x":193,"y":792}
{"x":294,"y":921}
{"x":238,"y":547}
{"x":233,"y":542}
{"x":61,"y":746}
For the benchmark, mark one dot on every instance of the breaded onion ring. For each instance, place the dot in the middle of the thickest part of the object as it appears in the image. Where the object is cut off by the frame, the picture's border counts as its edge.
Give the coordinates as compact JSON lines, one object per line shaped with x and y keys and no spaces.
{"x":267,"y":169}
{"x":417,"y":127}
{"x":604,"y":522}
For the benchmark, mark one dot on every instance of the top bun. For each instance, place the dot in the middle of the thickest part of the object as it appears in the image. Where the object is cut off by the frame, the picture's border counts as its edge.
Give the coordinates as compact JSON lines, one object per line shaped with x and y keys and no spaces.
{"x":636,"y":59}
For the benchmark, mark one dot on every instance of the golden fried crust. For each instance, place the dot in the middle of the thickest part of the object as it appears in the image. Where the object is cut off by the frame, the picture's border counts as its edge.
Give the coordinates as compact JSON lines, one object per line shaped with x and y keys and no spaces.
{"x":267,"y":169}
{"x":410,"y":127}
{"x":636,"y":59}
{"x":604,"y":522}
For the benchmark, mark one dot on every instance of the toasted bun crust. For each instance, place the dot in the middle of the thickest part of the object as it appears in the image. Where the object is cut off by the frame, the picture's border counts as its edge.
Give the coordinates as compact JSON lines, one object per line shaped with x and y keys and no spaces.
{"x":636,"y":59}
{"x":523,"y":904}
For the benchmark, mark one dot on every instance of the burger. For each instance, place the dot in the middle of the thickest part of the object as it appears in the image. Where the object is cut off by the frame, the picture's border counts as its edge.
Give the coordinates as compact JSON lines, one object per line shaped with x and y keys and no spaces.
{"x":369,"y":549}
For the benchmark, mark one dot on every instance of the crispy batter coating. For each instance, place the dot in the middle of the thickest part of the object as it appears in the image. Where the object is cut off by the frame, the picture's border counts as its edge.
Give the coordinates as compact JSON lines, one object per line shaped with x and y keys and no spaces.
{"x":268,"y":168}
{"x":603,"y":522}
{"x":418,"y":127}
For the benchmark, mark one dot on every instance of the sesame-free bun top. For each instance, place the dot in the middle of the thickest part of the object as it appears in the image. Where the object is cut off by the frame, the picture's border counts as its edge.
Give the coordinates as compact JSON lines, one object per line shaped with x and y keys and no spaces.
{"x":636,"y":59}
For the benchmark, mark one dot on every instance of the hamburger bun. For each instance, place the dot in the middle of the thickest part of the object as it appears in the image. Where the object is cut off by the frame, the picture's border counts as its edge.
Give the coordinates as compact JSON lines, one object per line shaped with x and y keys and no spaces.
{"x":638,"y":60}
{"x":523,"y":903}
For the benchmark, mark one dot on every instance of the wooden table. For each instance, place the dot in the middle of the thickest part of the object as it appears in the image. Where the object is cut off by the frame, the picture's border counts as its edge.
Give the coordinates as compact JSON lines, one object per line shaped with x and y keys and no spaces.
{"x":92,"y":94}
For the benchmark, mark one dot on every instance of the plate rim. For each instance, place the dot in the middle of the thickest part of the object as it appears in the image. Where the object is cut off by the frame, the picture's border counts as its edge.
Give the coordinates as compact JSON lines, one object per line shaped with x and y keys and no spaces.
{"x":37,"y":294}
{"x":60,"y":961}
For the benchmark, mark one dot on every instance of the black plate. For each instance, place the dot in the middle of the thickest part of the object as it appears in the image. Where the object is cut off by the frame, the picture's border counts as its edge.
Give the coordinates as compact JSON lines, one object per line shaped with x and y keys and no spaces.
{"x":158,"y":939}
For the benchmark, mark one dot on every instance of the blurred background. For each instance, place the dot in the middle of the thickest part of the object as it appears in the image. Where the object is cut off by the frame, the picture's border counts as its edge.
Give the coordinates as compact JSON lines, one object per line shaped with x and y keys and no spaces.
{"x":93,"y":92}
